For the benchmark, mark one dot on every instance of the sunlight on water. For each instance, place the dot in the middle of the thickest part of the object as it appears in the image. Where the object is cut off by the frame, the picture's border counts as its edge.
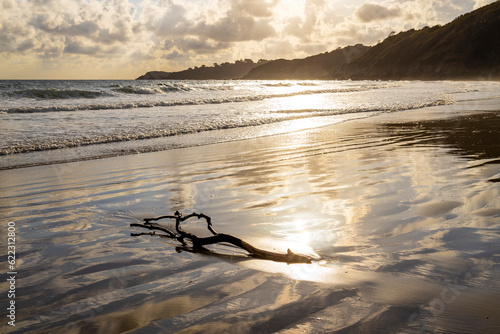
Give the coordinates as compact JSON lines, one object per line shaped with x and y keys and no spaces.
{"x":306,"y":123}
{"x":304,"y":103}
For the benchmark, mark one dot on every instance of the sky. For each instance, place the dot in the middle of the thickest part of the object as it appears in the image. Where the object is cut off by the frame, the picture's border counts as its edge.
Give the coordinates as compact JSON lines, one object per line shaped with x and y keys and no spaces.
{"x":123,"y":39}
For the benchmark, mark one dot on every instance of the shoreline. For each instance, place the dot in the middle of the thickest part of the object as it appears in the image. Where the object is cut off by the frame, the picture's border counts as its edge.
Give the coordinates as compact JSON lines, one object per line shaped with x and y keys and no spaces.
{"x":154,"y":145}
{"x":186,"y":140}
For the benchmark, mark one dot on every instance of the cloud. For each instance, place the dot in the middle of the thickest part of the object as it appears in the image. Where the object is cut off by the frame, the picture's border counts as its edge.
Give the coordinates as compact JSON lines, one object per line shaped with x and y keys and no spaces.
{"x":482,"y":3}
{"x":305,"y":26}
{"x":245,"y":20}
{"x":174,"y":56}
{"x":257,"y":8}
{"x":195,"y":44}
{"x":49,"y":24}
{"x":177,"y":33}
{"x":351,"y":32}
{"x":373,"y":12}
{"x":67,"y":23}
{"x":235,"y":28}
{"x":26,"y":45}
{"x":76,"y":47}
{"x":278,"y":49}
{"x":165,"y":19}
{"x":372,"y":21}
{"x":311,"y":49}
{"x":180,"y":28}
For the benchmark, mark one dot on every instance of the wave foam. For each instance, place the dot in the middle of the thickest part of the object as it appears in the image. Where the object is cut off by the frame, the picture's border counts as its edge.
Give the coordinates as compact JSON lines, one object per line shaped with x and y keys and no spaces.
{"x":52,"y":93}
{"x":200,"y":126}
{"x":170,"y":103}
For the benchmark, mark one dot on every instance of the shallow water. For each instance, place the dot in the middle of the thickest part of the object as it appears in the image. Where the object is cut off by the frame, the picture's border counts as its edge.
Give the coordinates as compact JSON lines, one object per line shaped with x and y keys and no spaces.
{"x":44,"y":122}
{"x":401,"y":210}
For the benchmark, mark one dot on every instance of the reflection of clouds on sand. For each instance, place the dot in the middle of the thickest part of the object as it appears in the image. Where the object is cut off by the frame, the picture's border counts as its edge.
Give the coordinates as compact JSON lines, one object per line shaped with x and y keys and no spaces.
{"x":480,"y":200}
{"x":181,"y":195}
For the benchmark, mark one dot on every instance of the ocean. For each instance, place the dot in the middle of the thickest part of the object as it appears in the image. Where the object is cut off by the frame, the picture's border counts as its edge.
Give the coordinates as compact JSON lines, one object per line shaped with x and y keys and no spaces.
{"x":54,"y":121}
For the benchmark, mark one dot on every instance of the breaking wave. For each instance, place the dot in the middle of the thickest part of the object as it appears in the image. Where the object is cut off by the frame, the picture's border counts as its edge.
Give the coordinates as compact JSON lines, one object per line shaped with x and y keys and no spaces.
{"x":169,"y":103}
{"x":200,"y":126}
{"x":52,"y":93}
{"x":161,"y":88}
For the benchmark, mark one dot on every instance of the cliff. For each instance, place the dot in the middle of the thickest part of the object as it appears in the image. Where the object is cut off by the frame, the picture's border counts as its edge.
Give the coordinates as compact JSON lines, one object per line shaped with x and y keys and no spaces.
{"x":322,"y":66}
{"x":466,"y":48}
{"x":223,"y":71}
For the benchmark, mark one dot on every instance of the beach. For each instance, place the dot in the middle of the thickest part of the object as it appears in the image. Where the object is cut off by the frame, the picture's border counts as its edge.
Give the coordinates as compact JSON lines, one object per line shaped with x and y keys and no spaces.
{"x":400,"y":212}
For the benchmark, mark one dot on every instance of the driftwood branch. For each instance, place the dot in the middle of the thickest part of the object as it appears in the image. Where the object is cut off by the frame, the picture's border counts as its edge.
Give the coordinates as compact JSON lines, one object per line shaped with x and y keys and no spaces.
{"x":199,"y":242}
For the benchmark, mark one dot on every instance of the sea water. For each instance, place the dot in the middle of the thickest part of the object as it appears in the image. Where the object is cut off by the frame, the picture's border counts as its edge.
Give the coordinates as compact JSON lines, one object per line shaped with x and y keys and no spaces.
{"x":52,"y":121}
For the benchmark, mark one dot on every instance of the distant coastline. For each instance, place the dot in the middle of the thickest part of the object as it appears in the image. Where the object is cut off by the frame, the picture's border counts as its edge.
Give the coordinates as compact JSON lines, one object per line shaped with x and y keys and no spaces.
{"x":468,"y":48}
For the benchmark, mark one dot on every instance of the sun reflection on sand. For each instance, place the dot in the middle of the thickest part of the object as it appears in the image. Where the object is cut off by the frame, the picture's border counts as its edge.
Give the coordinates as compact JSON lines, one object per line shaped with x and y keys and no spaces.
{"x":305,"y":123}
{"x":318,"y":271}
{"x":315,"y":272}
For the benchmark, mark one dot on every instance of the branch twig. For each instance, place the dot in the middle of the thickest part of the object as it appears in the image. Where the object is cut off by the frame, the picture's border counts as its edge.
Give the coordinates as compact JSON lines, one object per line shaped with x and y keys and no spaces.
{"x":199,"y":242}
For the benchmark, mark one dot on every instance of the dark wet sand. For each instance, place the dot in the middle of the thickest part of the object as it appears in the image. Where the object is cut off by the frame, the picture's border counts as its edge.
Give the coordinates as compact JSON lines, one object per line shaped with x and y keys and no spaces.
{"x":402,"y":212}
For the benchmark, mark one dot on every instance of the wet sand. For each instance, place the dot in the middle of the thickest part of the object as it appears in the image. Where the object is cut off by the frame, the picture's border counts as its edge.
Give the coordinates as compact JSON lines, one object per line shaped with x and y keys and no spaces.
{"x":401,"y":211}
